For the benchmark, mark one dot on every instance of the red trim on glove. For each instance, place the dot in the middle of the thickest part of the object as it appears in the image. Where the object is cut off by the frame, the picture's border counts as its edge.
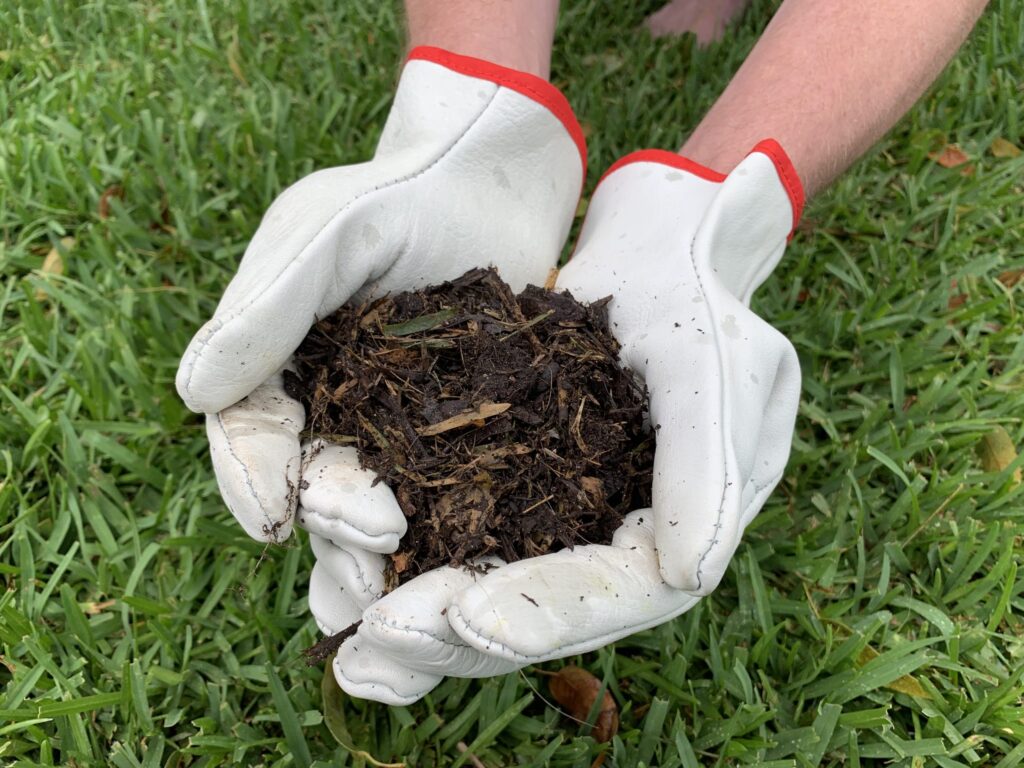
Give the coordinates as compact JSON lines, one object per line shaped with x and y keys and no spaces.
{"x":531,"y":86}
{"x":768,"y":147}
{"x":664,"y":157}
{"x":787,"y":175}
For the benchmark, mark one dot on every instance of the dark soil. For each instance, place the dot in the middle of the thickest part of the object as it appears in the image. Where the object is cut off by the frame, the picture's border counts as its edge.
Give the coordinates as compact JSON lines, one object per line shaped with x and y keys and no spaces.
{"x":503,"y":423}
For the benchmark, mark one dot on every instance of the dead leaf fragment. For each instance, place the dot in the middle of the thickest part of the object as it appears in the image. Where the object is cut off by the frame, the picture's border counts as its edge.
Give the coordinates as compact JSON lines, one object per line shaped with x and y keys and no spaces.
{"x":484,"y":411}
{"x":957,"y":300}
{"x":1000,"y":147}
{"x":906,"y":684}
{"x":549,"y":283}
{"x":998,"y":452}
{"x":576,"y":690}
{"x":1011,"y":277}
{"x":53,"y":264}
{"x":114,"y":190}
{"x":400,"y":560}
{"x":949,"y":156}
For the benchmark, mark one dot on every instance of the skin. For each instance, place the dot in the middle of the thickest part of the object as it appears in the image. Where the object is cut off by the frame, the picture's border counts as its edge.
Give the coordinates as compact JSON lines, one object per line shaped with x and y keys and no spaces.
{"x":826,"y":80}
{"x":514,"y":33}
{"x":707,"y":19}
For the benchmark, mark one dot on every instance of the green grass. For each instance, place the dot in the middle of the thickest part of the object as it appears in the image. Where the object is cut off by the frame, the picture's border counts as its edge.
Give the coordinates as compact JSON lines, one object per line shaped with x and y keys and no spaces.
{"x":874,"y":613}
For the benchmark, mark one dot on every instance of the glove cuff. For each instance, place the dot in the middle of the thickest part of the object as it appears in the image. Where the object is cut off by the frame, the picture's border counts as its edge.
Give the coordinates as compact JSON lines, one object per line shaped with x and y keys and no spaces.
{"x":531,"y":86}
{"x":788,"y":176}
{"x":664,"y":157}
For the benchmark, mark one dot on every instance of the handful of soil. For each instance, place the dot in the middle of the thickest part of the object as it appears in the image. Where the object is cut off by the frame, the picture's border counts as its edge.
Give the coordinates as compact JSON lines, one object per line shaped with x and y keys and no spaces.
{"x":503,"y":423}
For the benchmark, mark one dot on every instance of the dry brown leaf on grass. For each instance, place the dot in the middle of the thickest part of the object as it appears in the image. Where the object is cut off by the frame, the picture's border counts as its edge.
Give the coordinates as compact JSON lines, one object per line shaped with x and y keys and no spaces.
{"x":577,"y":691}
{"x":951,"y":156}
{"x":998,"y":452}
{"x":957,"y":298}
{"x":1010,"y":277}
{"x":1000,"y":147}
{"x":114,"y":190}
{"x":906,"y":684}
{"x":53,"y":264}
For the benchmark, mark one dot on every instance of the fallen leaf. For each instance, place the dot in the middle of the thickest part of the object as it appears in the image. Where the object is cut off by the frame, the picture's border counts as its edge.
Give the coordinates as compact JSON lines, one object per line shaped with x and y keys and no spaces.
{"x":577,"y":691}
{"x":957,"y":300}
{"x":1011,"y":277}
{"x":907,"y":684}
{"x":1000,"y":147}
{"x":114,"y":190}
{"x":998,"y":452}
{"x":53,"y":264}
{"x":950,"y":156}
{"x":484,"y":411}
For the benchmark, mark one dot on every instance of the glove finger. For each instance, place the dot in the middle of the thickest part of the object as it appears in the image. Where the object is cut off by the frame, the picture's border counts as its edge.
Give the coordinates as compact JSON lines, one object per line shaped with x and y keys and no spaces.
{"x":571,"y":601}
{"x":411,"y":624}
{"x":367,"y":672}
{"x":356,"y":572}
{"x":709,"y":433}
{"x":340,"y":502}
{"x":333,"y":608}
{"x":254,"y":447}
{"x":290,"y":274}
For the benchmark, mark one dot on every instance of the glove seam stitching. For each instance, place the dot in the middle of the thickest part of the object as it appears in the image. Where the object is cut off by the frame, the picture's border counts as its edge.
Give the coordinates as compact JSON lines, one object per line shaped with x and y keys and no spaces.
{"x":269,"y":523}
{"x":360,"y":571}
{"x":725,"y":466}
{"x":294,"y":263}
{"x":414,"y":631}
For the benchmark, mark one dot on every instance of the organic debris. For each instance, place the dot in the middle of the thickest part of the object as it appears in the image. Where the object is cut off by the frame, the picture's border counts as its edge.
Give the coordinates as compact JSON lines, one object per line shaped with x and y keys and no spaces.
{"x":503,"y":423}
{"x":577,"y":690}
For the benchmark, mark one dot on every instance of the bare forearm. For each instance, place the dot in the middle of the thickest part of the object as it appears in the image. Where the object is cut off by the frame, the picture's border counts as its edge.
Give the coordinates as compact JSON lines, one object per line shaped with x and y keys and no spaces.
{"x":827,"y":80}
{"x":513,"y":33}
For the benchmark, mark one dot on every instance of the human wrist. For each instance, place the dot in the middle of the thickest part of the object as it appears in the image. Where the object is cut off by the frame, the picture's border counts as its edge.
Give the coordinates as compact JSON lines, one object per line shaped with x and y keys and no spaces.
{"x":512,"y":33}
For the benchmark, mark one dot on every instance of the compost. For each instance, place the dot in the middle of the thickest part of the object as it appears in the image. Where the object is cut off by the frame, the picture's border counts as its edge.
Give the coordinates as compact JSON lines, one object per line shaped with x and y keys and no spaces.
{"x":503,"y":423}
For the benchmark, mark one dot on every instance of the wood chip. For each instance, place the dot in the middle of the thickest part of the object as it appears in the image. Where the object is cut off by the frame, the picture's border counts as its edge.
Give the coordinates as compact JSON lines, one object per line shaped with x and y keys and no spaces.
{"x":477,"y":416}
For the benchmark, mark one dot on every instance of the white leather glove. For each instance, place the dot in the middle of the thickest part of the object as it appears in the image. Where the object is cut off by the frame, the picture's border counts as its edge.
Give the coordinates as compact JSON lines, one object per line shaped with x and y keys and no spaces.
{"x":681,"y":252}
{"x":477,"y":165}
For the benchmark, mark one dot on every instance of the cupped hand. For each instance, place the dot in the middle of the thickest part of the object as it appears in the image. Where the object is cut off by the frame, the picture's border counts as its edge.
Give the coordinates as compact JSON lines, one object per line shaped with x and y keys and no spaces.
{"x":681,"y":249}
{"x":477,"y":166}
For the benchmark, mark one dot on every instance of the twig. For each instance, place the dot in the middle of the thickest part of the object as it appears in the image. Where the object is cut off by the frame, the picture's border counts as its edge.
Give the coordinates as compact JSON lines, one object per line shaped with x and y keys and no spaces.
{"x":330,"y":644}
{"x":469,"y":755}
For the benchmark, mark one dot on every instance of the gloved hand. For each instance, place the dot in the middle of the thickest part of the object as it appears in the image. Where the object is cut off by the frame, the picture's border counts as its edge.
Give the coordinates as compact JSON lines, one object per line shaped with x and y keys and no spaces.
{"x":477,"y":165}
{"x":681,"y":249}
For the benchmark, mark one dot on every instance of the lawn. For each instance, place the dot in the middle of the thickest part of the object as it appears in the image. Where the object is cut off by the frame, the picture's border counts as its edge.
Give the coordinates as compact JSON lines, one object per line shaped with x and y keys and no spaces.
{"x":874,"y":614}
